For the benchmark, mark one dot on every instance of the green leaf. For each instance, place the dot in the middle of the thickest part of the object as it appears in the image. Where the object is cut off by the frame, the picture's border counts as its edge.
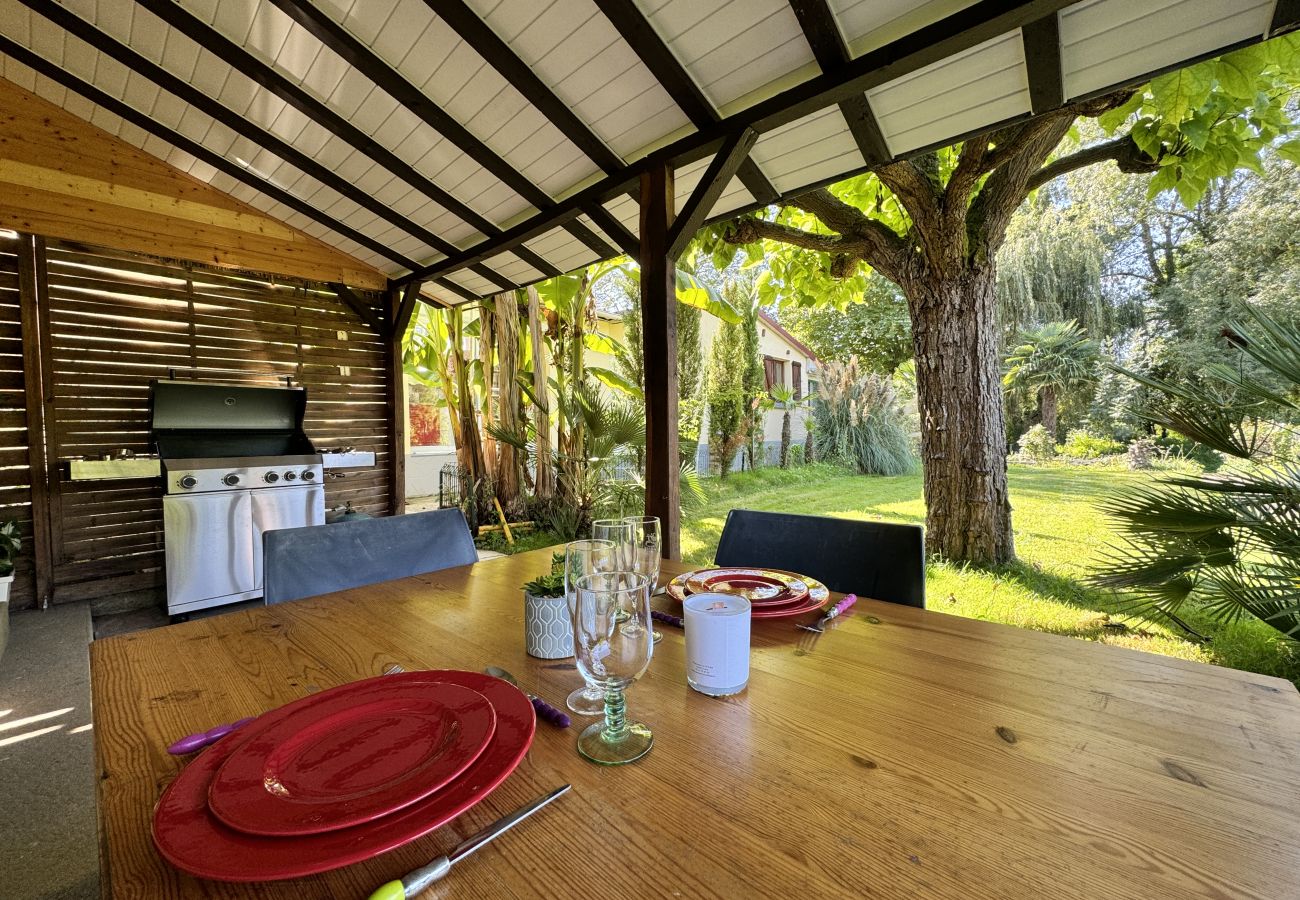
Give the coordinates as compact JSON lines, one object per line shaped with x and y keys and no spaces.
{"x":1178,"y":94}
{"x":600,"y":343}
{"x":1235,"y":76}
{"x":614,"y":380}
{"x":1197,"y":132}
{"x":1111,"y":120}
{"x":1290,"y":151}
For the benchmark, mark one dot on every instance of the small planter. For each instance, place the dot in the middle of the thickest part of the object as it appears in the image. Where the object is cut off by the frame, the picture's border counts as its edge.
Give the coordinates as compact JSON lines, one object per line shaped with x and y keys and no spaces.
{"x":548,"y":633}
{"x":5,"y":582}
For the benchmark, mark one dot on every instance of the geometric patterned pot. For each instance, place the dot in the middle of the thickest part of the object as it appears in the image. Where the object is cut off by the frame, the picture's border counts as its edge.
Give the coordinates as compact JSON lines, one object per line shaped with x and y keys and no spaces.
{"x":548,"y":631}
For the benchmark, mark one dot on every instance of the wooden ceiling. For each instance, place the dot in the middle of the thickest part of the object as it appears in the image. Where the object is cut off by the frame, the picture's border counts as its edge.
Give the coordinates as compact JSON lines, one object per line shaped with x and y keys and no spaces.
{"x":481,"y":145}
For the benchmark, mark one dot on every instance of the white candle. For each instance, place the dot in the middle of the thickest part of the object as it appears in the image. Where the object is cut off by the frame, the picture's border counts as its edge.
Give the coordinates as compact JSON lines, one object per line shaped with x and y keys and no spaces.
{"x":717,"y":643}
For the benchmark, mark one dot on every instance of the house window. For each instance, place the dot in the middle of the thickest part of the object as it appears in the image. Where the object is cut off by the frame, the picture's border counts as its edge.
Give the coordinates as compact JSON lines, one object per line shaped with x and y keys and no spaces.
{"x":796,"y":379}
{"x":773,"y":372}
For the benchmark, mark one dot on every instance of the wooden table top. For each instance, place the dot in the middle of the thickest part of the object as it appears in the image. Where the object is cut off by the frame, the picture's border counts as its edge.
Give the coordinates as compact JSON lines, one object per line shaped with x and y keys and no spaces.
{"x":905,"y":753}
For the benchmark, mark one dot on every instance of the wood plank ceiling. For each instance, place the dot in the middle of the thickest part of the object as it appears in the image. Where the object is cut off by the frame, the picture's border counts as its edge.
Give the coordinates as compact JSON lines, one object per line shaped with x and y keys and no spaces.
{"x":480,"y":145}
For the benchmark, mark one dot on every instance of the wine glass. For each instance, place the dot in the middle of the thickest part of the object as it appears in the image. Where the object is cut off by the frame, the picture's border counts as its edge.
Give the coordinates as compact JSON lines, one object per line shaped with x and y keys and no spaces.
{"x":645,"y":545}
{"x":582,"y":558}
{"x":613,"y":646}
{"x":618,"y":532}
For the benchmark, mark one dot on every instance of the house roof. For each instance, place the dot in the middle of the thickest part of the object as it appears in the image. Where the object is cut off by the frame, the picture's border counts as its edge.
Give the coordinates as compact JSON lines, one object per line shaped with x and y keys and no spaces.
{"x":788,"y":337}
{"x":480,"y":145}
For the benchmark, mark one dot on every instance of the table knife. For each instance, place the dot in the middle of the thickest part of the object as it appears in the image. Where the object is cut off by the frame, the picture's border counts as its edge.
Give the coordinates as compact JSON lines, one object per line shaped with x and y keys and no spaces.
{"x":417,"y":880}
{"x":820,"y":624}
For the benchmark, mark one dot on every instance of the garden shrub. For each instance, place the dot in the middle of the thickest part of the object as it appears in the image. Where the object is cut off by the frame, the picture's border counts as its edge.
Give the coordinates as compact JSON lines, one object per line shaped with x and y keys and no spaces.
{"x":1140,"y":453}
{"x":859,"y":421}
{"x":1037,"y":445}
{"x":1083,"y":444}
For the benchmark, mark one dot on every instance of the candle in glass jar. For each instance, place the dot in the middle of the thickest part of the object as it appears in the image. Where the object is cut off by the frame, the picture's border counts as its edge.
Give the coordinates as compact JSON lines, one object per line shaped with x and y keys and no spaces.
{"x":717,"y":643}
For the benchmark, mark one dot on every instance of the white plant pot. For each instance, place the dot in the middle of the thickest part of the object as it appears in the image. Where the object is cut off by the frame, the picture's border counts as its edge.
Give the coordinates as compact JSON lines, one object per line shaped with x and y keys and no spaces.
{"x":548,"y":633}
{"x":5,"y":582}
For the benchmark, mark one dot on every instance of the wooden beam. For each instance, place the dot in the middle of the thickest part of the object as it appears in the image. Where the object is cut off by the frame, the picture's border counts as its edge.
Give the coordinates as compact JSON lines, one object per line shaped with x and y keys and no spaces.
{"x":617,"y":231}
{"x":1286,"y":17}
{"x":830,"y":50}
{"x":358,"y":306}
{"x":659,"y":344}
{"x":1042,"y":42}
{"x":735,"y":150}
{"x":960,"y":31}
{"x":641,"y":36}
{"x":30,"y":301}
{"x":405,"y":308}
{"x":497,"y":53}
{"x":395,"y":300}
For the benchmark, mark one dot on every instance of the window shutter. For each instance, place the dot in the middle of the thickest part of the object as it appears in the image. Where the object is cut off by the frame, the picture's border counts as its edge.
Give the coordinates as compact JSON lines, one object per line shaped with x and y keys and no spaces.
{"x":796,"y":379}
{"x":771,"y":373}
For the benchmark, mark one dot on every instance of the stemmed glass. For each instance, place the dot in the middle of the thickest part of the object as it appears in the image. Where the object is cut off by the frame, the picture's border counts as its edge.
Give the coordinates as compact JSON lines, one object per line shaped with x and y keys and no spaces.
{"x":583,"y":558}
{"x":645,"y":544}
{"x":612,"y":642}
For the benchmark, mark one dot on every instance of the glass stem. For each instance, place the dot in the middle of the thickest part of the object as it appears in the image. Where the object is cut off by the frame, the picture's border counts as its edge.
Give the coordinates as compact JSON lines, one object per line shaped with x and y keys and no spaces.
{"x":615,"y":716}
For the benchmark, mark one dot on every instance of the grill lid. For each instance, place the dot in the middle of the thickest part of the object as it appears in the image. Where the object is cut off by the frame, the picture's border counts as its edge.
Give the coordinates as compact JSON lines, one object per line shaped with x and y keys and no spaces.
{"x":193,"y":419}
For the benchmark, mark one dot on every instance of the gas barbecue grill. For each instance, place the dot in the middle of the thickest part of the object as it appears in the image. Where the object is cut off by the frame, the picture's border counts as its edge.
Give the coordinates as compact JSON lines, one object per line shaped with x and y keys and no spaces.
{"x":235,"y":463}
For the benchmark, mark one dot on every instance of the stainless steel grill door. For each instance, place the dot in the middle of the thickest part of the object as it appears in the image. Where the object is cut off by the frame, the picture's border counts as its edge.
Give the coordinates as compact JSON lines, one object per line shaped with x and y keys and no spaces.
{"x":283,"y":507}
{"x":209,"y":546}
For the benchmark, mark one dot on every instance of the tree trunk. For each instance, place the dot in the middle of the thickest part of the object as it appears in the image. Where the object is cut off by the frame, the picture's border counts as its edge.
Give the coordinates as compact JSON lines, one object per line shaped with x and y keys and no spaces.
{"x":963,"y":429}
{"x":545,"y":481}
{"x":809,"y":450}
{"x":785,"y":438}
{"x":506,"y":321}
{"x":1048,"y":404}
{"x":487,"y":360}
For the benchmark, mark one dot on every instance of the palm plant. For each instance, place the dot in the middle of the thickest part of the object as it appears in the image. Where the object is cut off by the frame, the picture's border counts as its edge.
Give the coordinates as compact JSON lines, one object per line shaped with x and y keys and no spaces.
{"x":1227,"y":543}
{"x":1049,"y":359}
{"x":783,"y":396}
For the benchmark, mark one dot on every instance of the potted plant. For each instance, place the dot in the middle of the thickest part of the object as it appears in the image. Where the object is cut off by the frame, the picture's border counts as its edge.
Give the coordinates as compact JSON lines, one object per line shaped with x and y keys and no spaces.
{"x":548,"y":633}
{"x":10,"y":544}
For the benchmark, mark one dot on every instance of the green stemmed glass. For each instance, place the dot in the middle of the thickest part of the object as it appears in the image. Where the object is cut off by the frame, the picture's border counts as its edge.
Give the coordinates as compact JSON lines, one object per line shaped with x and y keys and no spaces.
{"x":612,"y":637}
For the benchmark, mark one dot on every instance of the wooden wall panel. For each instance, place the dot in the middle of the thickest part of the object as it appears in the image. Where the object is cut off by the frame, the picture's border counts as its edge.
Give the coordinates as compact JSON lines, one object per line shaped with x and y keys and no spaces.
{"x":15,"y":471}
{"x":62,"y":177}
{"x":118,"y":319}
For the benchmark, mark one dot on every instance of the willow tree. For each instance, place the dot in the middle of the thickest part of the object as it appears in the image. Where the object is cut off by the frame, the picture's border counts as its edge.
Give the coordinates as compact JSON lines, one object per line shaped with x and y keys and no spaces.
{"x":933,"y":223}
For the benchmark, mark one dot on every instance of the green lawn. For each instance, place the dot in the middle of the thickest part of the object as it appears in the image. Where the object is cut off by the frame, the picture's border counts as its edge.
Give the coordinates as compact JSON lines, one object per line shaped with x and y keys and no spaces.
{"x":1059,"y":533}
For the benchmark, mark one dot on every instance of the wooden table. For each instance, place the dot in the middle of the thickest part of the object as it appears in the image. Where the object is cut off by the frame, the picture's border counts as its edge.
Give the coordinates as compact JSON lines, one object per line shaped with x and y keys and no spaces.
{"x":905,"y":753}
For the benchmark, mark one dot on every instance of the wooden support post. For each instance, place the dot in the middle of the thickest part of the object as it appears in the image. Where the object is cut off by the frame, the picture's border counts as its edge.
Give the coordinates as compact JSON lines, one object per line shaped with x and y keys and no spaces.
{"x":400,"y":306}
{"x":659,"y":340}
{"x":31,"y":278}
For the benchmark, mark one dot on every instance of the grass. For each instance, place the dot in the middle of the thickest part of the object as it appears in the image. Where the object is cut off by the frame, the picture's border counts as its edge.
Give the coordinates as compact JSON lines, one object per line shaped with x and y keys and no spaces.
{"x":1059,"y":533}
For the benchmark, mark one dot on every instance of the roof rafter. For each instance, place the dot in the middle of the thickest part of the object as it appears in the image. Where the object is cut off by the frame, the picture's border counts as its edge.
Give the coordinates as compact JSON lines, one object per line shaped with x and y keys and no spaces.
{"x":62,"y":76}
{"x":149,"y":70}
{"x":333,"y":35}
{"x":1042,"y":42}
{"x":681,"y":87}
{"x":1286,"y":17}
{"x":960,"y":31}
{"x":733,"y":153}
{"x":830,"y":50}
{"x":267,"y":77}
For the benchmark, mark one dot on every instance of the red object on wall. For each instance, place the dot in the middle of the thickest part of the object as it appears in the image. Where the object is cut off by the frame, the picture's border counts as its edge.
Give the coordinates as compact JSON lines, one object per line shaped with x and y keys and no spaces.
{"x":426,"y":425}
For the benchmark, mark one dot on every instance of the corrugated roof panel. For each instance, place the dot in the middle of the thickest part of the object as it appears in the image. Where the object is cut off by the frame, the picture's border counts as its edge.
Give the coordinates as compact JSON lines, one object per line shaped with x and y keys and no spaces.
{"x":514,"y":268}
{"x":971,"y":90}
{"x":472,"y":281}
{"x":1107,"y":42}
{"x":788,"y":153}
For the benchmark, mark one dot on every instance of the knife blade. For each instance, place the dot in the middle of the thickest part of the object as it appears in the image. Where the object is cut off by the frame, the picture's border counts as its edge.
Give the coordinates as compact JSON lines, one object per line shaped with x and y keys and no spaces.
{"x":417,"y":880}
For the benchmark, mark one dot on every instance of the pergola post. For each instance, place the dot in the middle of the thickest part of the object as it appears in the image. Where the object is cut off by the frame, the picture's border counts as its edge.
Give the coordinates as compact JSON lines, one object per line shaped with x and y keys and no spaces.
{"x":659,"y":340}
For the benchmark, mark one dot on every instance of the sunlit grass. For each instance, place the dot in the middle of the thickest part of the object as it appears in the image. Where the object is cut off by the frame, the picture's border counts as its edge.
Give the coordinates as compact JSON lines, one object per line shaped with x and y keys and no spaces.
{"x":1059,"y":534}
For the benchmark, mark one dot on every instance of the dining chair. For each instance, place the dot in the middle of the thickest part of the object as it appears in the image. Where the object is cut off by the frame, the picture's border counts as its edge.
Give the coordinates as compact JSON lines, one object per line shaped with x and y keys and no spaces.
{"x":879,"y":560}
{"x":319,"y":559}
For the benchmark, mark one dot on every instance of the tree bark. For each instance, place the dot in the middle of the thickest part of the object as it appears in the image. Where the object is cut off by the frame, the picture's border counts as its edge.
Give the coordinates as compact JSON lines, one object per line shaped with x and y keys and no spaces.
{"x":506,"y":321}
{"x":785,"y":438}
{"x":545,"y":481}
{"x":1047,"y":408}
{"x":963,"y":429}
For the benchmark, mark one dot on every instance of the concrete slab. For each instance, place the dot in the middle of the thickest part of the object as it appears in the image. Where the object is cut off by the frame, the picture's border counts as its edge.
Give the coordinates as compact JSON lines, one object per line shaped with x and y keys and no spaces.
{"x":49,"y":848}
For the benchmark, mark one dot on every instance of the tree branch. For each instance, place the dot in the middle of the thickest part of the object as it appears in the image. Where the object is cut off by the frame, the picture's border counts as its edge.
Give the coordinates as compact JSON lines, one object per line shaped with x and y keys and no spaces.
{"x":1126,"y":154}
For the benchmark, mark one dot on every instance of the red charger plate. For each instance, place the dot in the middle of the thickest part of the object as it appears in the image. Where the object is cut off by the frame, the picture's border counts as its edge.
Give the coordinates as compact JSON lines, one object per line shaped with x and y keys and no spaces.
{"x":192,"y":839}
{"x":349,"y":755}
{"x":818,"y":594}
{"x":761,"y":587}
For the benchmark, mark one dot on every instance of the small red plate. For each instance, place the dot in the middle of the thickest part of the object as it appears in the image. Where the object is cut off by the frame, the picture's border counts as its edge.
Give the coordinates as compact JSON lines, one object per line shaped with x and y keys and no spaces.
{"x":347,"y":756}
{"x":816,"y":597}
{"x":192,"y":839}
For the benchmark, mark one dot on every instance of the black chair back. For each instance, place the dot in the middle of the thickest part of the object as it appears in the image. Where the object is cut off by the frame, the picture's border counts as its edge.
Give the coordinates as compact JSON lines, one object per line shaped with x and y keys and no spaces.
{"x":319,"y":559}
{"x":879,"y":560}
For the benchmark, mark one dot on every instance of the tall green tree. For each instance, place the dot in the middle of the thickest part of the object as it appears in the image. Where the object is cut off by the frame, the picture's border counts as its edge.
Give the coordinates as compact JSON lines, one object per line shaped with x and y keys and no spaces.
{"x":725,"y":396}
{"x":874,"y":328}
{"x":933,"y":225}
{"x":1049,"y":360}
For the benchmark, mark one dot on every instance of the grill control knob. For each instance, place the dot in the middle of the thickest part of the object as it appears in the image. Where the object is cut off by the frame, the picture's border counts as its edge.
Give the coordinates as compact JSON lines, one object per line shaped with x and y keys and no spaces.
{"x":270,"y":477}
{"x":188,"y":481}
{"x":230,"y":480}
{"x":290,"y":476}
{"x":308,"y":475}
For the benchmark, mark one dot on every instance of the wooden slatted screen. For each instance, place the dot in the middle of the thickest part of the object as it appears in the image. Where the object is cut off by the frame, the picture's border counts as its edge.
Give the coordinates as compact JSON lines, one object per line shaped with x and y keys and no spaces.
{"x":118,"y":320}
{"x":15,"y":473}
